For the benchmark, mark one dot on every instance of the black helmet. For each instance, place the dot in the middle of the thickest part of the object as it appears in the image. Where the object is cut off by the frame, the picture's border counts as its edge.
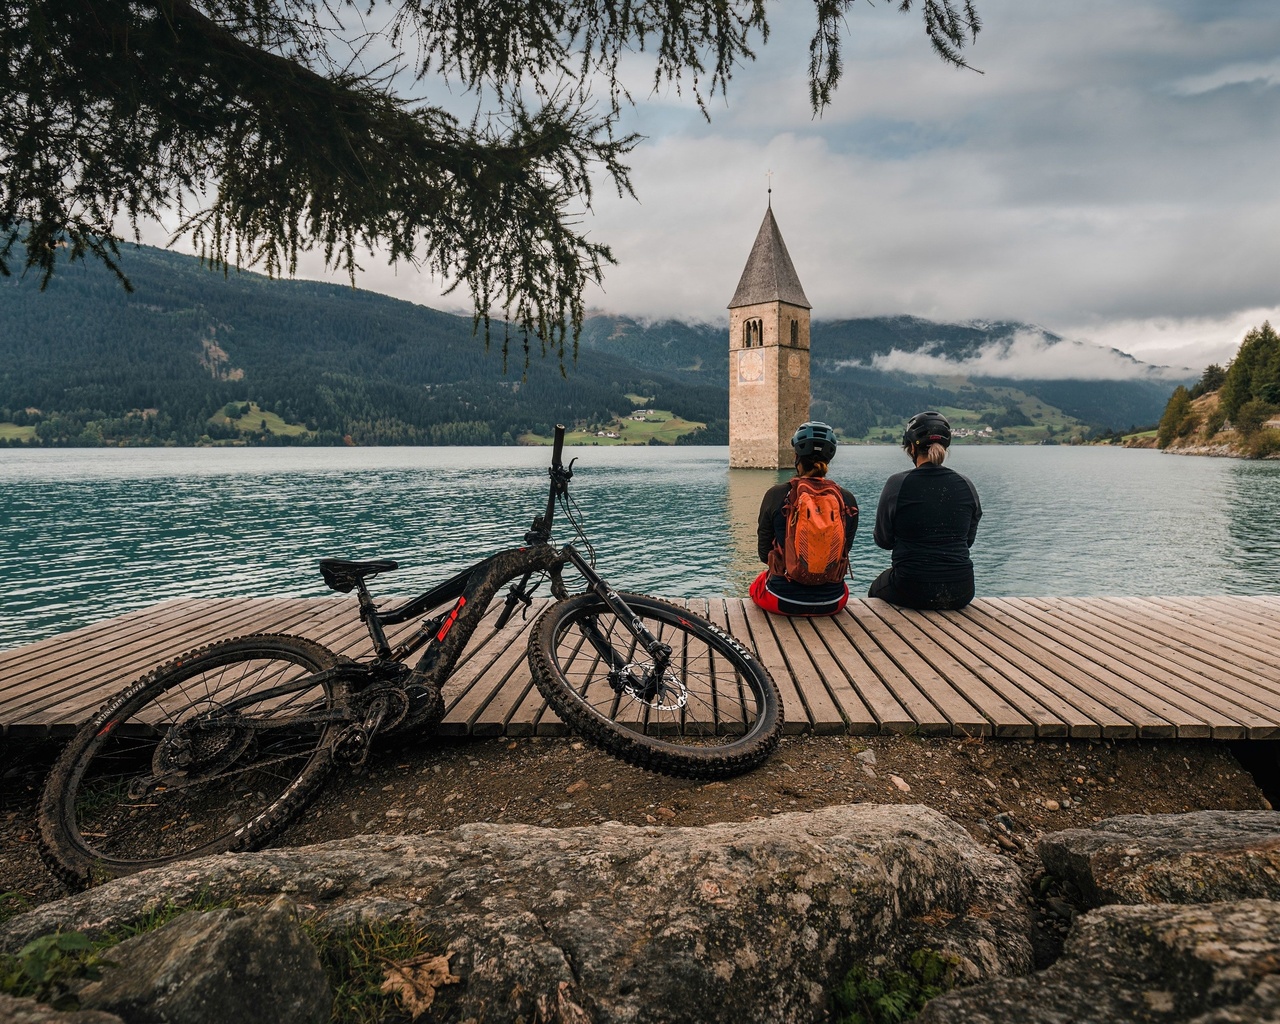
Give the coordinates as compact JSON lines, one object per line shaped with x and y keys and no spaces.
{"x":927,"y":428}
{"x":814,"y":440}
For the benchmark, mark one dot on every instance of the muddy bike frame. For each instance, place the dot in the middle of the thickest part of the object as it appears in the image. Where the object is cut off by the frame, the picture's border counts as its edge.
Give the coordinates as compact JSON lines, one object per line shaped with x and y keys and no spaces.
{"x":379,"y":685}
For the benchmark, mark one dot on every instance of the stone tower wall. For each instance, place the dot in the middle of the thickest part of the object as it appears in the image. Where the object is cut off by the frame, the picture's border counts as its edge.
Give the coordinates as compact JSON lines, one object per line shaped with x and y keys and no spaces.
{"x":768,"y":384}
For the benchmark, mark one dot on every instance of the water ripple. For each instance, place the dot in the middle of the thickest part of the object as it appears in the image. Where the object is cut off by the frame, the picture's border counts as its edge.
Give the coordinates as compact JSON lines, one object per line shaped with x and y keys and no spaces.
{"x":85,"y":535}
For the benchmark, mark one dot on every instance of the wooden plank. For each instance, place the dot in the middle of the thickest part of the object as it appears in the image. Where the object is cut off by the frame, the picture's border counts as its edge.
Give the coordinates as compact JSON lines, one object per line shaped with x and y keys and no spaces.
{"x":1050,"y":715}
{"x":1247,"y":626}
{"x":810,"y":664}
{"x":795,"y":714}
{"x":1109,"y":672}
{"x":55,"y":651}
{"x":1205,"y":643}
{"x":714,"y":691}
{"x":731,"y":700}
{"x":1225,"y":719}
{"x":1073,"y":713}
{"x":1117,"y":717}
{"x":525,"y":713}
{"x":1005,"y":717}
{"x":157,"y":632}
{"x":65,"y":709}
{"x":471,"y":687}
{"x":1254,"y":617}
{"x":963,"y":718}
{"x":928,"y":721}
{"x":1257,"y":710}
{"x":868,"y":704}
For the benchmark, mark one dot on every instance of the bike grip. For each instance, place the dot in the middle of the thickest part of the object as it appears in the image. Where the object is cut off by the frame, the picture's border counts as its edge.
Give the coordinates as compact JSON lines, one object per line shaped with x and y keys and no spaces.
{"x":558,"y":446}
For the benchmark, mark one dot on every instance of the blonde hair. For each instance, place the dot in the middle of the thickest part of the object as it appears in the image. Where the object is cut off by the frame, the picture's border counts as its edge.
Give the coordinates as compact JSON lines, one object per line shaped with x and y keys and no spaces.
{"x":935,"y":455}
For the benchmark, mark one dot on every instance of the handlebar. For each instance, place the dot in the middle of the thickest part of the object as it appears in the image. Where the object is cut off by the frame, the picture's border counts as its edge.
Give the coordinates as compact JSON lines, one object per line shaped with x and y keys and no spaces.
{"x":557,"y":447}
{"x":560,"y":477}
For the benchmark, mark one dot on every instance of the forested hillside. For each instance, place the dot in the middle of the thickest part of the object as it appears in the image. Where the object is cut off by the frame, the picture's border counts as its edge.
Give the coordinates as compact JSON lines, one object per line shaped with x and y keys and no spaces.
{"x":193,"y":356}
{"x":161,"y":364}
{"x":1233,"y":411}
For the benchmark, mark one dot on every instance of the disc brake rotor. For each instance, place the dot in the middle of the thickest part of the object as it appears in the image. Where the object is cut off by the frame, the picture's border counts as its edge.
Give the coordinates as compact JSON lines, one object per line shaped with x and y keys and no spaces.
{"x":637,"y":682}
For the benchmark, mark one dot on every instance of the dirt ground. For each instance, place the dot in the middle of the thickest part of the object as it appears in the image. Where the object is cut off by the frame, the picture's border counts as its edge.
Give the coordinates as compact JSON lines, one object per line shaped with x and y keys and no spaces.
{"x":1006,"y":793}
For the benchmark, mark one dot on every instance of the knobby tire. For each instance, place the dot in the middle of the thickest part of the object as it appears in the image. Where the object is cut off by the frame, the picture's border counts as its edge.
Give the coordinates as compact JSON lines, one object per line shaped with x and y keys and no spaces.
{"x":731,"y":718}
{"x":239,"y":787}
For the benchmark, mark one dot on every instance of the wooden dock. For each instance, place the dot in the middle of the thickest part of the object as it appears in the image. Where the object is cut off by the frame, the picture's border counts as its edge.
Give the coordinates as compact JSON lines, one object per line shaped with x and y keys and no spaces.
{"x":1193,"y":667}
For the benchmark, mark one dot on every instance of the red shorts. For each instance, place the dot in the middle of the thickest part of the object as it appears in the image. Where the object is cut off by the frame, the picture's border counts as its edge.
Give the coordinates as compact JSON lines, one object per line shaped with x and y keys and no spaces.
{"x":762,"y":596}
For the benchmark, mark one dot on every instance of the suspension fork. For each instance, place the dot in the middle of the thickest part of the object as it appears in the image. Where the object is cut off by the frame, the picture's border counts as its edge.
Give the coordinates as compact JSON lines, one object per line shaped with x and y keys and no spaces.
{"x":658,"y":651}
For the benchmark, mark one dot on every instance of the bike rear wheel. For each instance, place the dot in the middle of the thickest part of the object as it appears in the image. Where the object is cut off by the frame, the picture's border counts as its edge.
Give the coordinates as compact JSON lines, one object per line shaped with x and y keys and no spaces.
{"x":715,"y":712}
{"x":166,"y":770}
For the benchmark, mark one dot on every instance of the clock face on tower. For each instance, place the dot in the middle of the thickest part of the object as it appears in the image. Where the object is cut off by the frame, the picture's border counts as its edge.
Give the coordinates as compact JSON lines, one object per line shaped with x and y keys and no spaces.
{"x":794,"y":364}
{"x":750,"y":366}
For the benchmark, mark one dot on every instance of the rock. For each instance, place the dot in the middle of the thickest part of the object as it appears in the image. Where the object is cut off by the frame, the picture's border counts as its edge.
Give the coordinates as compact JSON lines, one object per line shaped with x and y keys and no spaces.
{"x":1201,"y":857}
{"x":900,"y":782}
{"x":28,"y":1011}
{"x":729,"y":922}
{"x":1211,"y":964}
{"x":224,"y":965}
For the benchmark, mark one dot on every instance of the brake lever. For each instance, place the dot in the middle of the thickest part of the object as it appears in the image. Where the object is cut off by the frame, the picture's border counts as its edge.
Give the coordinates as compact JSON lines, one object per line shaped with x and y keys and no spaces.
{"x":516,"y":593}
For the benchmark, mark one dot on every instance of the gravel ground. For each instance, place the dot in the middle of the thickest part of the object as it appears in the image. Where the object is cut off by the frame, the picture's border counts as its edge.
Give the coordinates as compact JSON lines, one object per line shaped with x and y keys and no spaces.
{"x":1004,"y":792}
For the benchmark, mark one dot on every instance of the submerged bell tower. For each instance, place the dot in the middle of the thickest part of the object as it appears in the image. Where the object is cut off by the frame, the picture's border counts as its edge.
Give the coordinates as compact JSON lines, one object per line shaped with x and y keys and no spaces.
{"x":768,"y":355}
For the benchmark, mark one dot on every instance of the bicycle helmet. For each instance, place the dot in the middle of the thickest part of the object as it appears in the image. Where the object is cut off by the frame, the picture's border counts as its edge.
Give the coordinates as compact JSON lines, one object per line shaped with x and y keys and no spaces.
{"x":814,"y":440}
{"x":927,"y":428}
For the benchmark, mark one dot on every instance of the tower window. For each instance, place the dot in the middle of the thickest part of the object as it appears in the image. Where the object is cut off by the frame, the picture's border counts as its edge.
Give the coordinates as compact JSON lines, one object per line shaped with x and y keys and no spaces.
{"x":752,"y":333}
{"x":795,"y":333}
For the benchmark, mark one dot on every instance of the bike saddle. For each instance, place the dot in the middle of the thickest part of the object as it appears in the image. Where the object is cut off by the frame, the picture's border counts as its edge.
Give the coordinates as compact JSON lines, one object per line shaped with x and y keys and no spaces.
{"x":343,"y":575}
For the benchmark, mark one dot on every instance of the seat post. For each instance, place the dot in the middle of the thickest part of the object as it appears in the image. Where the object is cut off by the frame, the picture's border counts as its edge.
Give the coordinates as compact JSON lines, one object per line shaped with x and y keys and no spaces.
{"x":369,"y":615}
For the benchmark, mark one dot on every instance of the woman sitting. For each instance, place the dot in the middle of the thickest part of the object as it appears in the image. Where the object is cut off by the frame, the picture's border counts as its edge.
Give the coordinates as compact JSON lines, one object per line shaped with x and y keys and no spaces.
{"x":804,"y":533}
{"x":928,"y":517}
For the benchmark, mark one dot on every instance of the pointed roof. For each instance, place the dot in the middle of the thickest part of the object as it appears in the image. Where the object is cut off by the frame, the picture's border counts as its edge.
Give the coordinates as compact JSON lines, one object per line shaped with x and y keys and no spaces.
{"x":769,"y":275}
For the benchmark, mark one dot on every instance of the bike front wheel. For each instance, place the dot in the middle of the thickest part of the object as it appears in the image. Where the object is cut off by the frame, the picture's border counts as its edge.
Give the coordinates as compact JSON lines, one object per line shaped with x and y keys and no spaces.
{"x":217,"y":750}
{"x":714,"y":711}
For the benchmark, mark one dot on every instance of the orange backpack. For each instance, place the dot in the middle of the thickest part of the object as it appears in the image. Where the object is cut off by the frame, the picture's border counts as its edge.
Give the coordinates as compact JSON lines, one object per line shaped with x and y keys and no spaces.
{"x":814,"y":548}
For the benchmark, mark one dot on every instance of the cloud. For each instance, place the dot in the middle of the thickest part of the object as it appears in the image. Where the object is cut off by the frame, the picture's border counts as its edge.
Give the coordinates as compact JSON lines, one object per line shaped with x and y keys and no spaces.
{"x":1266,"y":73}
{"x":1111,"y":175}
{"x":1030,"y":356}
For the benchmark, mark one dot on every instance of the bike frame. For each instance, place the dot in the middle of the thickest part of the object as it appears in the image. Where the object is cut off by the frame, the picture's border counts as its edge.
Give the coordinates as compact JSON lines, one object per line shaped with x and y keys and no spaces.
{"x":471,"y":591}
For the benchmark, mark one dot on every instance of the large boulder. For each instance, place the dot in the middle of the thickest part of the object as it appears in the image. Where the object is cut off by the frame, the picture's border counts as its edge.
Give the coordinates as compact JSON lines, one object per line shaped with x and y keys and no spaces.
{"x":1216,"y":963}
{"x":245,"y":965}
{"x":729,"y":922}
{"x":1201,"y":857}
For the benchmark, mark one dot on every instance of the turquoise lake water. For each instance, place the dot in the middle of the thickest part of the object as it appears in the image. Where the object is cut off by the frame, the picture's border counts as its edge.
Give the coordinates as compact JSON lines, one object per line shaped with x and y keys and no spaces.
{"x":86,"y":534}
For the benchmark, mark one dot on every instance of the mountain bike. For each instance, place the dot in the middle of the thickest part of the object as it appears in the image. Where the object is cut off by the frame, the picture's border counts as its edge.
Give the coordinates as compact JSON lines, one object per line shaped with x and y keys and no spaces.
{"x":220,"y":749}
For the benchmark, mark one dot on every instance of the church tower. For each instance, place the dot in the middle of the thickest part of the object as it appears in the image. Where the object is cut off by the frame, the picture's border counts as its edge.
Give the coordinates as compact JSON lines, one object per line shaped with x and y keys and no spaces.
{"x":768,"y":355}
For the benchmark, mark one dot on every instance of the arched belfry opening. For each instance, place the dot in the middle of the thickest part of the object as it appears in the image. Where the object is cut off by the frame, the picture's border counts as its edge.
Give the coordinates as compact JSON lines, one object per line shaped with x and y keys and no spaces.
{"x":768,"y":355}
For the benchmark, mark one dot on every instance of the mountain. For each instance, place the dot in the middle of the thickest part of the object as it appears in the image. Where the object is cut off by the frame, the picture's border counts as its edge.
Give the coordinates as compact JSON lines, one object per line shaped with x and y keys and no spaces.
{"x":854,"y":393}
{"x":193,"y":355}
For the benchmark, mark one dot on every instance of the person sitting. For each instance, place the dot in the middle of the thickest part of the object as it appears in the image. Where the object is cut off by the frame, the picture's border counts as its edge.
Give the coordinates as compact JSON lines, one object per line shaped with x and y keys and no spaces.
{"x":928,"y":517}
{"x":804,"y":533}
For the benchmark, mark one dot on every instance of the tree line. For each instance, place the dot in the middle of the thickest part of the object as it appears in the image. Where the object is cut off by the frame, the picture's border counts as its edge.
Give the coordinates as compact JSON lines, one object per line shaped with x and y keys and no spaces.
{"x":1248,"y":391}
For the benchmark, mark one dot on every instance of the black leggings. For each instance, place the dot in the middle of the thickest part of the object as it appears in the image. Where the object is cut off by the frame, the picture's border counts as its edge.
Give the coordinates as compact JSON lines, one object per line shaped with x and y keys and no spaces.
{"x":909,"y":593}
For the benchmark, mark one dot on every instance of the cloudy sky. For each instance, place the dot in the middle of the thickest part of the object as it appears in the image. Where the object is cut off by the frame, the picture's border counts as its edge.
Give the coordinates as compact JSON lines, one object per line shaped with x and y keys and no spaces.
{"x":1113,"y":176}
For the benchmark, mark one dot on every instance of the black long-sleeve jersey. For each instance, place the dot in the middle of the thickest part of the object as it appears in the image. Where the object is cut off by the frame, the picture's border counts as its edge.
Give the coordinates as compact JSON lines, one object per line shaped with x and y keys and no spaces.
{"x":928,"y":517}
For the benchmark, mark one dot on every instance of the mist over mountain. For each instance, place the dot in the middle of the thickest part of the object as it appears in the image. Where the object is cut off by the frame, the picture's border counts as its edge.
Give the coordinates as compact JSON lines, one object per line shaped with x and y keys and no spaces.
{"x":85,"y":362}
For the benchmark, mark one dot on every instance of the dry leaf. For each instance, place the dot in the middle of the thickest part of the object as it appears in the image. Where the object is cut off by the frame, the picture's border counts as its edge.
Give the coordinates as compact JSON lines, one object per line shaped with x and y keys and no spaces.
{"x":415,"y":981}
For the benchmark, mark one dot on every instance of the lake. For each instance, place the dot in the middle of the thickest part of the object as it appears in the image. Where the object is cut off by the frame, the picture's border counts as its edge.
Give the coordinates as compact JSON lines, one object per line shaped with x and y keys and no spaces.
{"x":86,"y":534}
